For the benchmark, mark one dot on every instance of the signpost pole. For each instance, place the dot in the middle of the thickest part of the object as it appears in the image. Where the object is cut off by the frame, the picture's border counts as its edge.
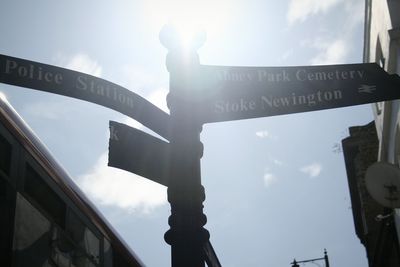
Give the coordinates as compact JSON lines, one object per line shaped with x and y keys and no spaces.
{"x":186,"y":235}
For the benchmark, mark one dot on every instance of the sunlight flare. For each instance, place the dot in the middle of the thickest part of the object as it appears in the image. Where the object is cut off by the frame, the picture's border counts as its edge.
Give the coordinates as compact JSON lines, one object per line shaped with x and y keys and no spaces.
{"x":189,"y":17}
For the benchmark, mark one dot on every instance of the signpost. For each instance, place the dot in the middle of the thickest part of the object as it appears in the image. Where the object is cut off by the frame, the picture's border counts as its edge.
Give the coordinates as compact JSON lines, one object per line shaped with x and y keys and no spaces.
{"x":56,"y":80}
{"x":186,"y":235}
{"x":203,"y":94}
{"x":200,"y":94}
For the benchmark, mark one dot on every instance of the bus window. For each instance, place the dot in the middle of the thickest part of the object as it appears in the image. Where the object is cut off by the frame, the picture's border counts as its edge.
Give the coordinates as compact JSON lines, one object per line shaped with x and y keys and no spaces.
{"x":119,"y":260}
{"x":44,"y":196}
{"x":65,"y":253}
{"x":83,"y":237}
{"x":7,"y":198}
{"x":107,"y":253}
{"x":31,"y":243}
{"x":5,"y":156}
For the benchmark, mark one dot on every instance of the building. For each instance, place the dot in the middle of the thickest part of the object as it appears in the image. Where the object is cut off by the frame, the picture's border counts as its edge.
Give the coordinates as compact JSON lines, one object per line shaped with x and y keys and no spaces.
{"x":377,"y":227}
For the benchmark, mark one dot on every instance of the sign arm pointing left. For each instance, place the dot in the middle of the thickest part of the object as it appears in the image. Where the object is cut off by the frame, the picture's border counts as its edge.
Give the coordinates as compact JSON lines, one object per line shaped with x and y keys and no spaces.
{"x":137,"y":152}
{"x":52,"y":79}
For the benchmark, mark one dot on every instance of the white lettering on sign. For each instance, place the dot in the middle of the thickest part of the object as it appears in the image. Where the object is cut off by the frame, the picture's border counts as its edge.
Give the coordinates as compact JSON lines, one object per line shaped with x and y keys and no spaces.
{"x":113,"y":134}
{"x":32,"y":72}
{"x":103,"y":89}
{"x":235,"y":76}
{"x":42,"y":74}
{"x":264,"y":75}
{"x":295,"y":100}
{"x":241,"y":106}
{"x":303,"y":75}
{"x":268,"y":102}
{"x":282,"y":76}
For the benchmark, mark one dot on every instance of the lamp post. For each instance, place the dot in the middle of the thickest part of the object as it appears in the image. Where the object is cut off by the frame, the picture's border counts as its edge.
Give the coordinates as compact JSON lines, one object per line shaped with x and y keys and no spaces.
{"x":186,"y":235}
{"x":325,"y":259}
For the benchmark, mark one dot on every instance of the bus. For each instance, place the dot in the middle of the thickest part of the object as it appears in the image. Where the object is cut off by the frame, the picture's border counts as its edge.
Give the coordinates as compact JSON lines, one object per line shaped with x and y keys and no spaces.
{"x":45,"y":219}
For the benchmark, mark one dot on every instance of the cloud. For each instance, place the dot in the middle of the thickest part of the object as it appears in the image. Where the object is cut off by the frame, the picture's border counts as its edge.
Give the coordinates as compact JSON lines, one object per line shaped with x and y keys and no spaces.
{"x":287,"y":54}
{"x":114,"y":187}
{"x":331,"y":47}
{"x":135,"y":77}
{"x":312,"y":170}
{"x":277,"y":162}
{"x":333,"y":52}
{"x":80,"y":62}
{"x":300,"y":10}
{"x":356,"y":11}
{"x":263,"y":134}
{"x":158,"y":98}
{"x":49,"y":110}
{"x":269,"y":179}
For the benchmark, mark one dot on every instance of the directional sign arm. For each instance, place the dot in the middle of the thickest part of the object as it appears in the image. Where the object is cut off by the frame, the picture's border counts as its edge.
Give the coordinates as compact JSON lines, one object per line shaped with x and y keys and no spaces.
{"x":137,"y":152}
{"x":396,"y":78}
{"x":224,"y":93}
{"x":52,"y":79}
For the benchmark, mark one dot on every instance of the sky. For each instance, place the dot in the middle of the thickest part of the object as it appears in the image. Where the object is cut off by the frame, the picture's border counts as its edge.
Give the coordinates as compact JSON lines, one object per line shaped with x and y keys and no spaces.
{"x":276,"y":187}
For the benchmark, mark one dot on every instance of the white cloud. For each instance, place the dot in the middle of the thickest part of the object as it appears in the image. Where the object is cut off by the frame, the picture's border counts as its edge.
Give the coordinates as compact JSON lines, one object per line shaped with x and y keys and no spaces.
{"x":49,"y":110}
{"x":333,"y":52}
{"x":263,"y":134}
{"x":312,"y":170}
{"x":158,"y":98}
{"x":135,"y":77}
{"x":269,"y":179}
{"x":114,"y":187}
{"x":82,"y":63}
{"x":277,"y":162}
{"x":300,"y":10}
{"x":356,"y":11}
{"x":286,"y":55}
{"x":133,"y":123}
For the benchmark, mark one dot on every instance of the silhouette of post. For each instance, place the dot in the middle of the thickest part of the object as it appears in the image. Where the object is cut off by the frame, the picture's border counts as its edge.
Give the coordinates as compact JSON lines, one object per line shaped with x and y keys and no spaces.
{"x":186,"y":235}
{"x":325,"y":259}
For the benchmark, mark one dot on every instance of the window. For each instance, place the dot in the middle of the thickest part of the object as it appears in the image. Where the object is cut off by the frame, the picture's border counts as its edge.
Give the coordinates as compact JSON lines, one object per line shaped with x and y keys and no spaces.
{"x":65,"y":253}
{"x":5,"y":156}
{"x":120,"y":260}
{"x":77,"y":246}
{"x":6,"y":222}
{"x":36,"y":188}
{"x":398,"y":59}
{"x":83,"y":237}
{"x":107,"y":254}
{"x":380,"y":60}
{"x":31,"y":243}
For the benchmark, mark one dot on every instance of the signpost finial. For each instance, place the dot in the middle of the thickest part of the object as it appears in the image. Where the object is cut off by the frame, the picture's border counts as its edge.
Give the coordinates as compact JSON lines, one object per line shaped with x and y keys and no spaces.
{"x":174,"y":39}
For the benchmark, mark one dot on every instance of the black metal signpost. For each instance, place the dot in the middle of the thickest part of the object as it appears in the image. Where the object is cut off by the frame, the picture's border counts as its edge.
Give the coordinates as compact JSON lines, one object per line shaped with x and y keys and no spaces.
{"x":200,"y":94}
{"x":186,"y":235}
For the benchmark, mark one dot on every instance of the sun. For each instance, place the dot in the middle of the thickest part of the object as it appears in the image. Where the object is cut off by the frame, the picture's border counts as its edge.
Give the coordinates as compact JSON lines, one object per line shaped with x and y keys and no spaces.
{"x":189,"y":17}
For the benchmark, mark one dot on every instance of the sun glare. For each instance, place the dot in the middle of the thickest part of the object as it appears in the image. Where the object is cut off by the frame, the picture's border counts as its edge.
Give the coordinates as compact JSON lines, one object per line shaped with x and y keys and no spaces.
{"x":3,"y":97}
{"x":189,"y":17}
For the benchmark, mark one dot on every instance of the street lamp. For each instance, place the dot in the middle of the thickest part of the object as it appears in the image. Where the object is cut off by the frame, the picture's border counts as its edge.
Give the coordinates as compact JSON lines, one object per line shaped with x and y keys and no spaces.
{"x":294,"y":263}
{"x":325,"y":258}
